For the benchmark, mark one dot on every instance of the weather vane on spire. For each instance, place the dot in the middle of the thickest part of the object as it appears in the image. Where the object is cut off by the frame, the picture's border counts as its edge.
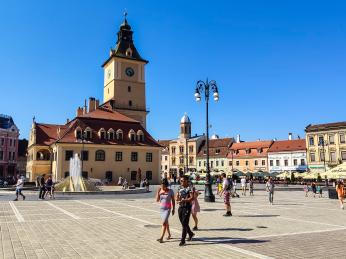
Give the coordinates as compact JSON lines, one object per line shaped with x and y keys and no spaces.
{"x":125,"y":14}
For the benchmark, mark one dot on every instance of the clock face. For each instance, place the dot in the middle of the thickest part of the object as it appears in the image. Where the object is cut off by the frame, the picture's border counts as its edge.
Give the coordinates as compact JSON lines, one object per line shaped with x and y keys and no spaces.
{"x":129,"y":71}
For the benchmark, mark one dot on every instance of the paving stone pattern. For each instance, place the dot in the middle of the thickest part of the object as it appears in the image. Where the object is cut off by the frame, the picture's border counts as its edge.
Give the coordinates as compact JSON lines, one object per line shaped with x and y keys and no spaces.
{"x":128,"y":226}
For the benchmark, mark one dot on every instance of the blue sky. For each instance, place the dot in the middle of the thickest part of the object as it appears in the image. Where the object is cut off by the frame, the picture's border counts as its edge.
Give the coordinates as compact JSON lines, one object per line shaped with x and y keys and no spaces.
{"x":279,"y":65}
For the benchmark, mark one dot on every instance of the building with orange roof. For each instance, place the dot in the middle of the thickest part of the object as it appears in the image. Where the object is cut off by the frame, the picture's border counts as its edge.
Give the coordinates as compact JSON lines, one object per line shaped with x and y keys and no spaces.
{"x":218,"y":151}
{"x":249,"y":156}
{"x":111,"y":139}
{"x":287,"y":155}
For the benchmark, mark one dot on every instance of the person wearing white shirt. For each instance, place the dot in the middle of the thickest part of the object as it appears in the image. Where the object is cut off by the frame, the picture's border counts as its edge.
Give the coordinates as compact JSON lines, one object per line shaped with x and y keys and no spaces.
{"x":19,"y":187}
{"x":243,"y":186}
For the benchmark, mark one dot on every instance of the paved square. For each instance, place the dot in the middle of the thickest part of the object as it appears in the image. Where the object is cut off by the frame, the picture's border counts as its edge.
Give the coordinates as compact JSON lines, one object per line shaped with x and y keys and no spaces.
{"x":127,"y":226}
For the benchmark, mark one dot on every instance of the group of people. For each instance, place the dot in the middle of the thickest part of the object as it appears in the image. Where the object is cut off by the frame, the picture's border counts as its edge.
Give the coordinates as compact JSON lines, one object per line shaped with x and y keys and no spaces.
{"x":315,"y":188}
{"x":186,"y":197}
{"x":46,"y":186}
{"x":143,"y":183}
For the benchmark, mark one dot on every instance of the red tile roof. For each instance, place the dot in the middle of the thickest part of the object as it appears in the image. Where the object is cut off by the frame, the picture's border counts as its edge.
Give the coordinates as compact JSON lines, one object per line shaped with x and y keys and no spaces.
{"x":164,"y":143}
{"x":256,"y":148}
{"x":221,"y":145}
{"x":107,"y":114}
{"x":47,"y":134}
{"x":288,"y":145}
{"x":326,"y":126}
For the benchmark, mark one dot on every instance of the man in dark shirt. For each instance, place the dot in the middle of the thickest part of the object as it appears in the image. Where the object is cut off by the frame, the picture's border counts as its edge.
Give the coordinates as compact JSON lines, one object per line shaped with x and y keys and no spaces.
{"x":184,"y":199}
{"x":40,"y":184}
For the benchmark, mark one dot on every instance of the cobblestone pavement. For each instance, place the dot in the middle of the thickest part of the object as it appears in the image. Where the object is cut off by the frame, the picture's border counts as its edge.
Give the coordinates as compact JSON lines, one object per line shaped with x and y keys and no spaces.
{"x":127,"y":226}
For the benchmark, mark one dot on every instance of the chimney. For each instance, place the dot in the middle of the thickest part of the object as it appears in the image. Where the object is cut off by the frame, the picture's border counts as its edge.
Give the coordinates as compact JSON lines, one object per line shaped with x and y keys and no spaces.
{"x":289,"y":136}
{"x":67,"y":120}
{"x":92,"y":103}
{"x":238,"y":138}
{"x":79,"y":111}
{"x":85,"y":107}
{"x":97,"y":103}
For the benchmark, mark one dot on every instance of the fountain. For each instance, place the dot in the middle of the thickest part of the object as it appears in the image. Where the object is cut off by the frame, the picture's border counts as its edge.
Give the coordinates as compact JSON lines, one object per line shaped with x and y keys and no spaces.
{"x":75,"y":182}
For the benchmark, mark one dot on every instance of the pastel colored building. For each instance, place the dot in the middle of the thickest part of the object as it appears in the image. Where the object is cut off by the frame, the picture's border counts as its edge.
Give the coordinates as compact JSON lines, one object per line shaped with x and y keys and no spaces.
{"x":287,"y":155}
{"x":249,"y":156}
{"x":326,"y":145}
{"x":218,"y":151}
{"x":9,"y":134}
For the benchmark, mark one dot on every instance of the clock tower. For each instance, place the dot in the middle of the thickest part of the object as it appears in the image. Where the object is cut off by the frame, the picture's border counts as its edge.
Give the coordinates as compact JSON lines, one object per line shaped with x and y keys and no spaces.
{"x":124,"y":77}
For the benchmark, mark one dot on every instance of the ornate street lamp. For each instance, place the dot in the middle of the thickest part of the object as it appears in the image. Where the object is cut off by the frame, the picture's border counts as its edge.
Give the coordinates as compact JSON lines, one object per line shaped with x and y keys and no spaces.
{"x":322,"y":144}
{"x":206,"y":87}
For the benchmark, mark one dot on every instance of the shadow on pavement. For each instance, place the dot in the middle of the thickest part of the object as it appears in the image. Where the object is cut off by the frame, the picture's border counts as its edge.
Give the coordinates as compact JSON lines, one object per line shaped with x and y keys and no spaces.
{"x":257,"y":216}
{"x":227,"y":229}
{"x":225,"y":240}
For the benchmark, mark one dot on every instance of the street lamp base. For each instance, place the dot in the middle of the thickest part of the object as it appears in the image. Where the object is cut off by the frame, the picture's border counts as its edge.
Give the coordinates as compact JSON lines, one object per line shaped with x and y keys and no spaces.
{"x":208,"y":193}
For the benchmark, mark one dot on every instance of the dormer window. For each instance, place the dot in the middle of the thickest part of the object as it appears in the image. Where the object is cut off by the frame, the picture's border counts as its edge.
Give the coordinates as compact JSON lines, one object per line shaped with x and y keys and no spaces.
{"x":110,"y":134}
{"x":119,"y":134}
{"x":78,"y":133}
{"x":204,"y":152}
{"x":217,"y":151}
{"x":102,"y":133}
{"x":132,"y":135}
{"x":248,"y":151}
{"x":140,"y":136}
{"x":259,"y":150}
{"x":88,"y":134}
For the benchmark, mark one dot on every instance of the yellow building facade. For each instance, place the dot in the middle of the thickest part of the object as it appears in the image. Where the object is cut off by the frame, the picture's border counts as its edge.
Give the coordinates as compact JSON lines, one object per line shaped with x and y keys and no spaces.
{"x":326,"y":145}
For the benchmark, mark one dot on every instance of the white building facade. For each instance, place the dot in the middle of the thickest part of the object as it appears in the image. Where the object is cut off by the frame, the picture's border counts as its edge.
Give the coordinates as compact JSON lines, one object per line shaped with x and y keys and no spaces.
{"x":287,"y":155}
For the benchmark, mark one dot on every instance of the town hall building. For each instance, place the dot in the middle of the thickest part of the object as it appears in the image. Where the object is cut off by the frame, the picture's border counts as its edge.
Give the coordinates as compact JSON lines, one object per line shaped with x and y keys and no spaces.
{"x":110,"y":138}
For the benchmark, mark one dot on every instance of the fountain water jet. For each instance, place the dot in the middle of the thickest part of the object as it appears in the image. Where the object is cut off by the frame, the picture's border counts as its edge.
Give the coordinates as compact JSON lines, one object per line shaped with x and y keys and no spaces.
{"x":75,"y":182}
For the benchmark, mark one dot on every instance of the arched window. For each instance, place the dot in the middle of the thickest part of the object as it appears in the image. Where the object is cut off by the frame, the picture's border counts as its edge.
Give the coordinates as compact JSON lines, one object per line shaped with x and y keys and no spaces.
{"x":140,"y":136}
{"x":88,"y":133}
{"x":119,"y":134}
{"x":100,"y":155}
{"x":78,"y":133}
{"x":132,"y":135}
{"x":102,"y":133}
{"x":110,"y":134}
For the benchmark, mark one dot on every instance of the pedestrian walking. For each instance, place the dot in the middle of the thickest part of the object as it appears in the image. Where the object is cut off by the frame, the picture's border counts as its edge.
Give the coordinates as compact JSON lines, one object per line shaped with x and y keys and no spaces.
{"x":270,"y":189}
{"x":49,"y":187}
{"x":319,"y":190}
{"x":19,"y":187}
{"x":218,"y":184}
{"x":313,"y":188}
{"x":184,"y":199}
{"x":340,"y":189}
{"x":243,"y":186}
{"x":226,"y":193}
{"x":195,"y":207}
{"x":41,"y":184}
{"x":165,"y":196}
{"x":147,"y":184}
{"x":251,"y":187}
{"x":120,"y":180}
{"x":306,"y":189}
